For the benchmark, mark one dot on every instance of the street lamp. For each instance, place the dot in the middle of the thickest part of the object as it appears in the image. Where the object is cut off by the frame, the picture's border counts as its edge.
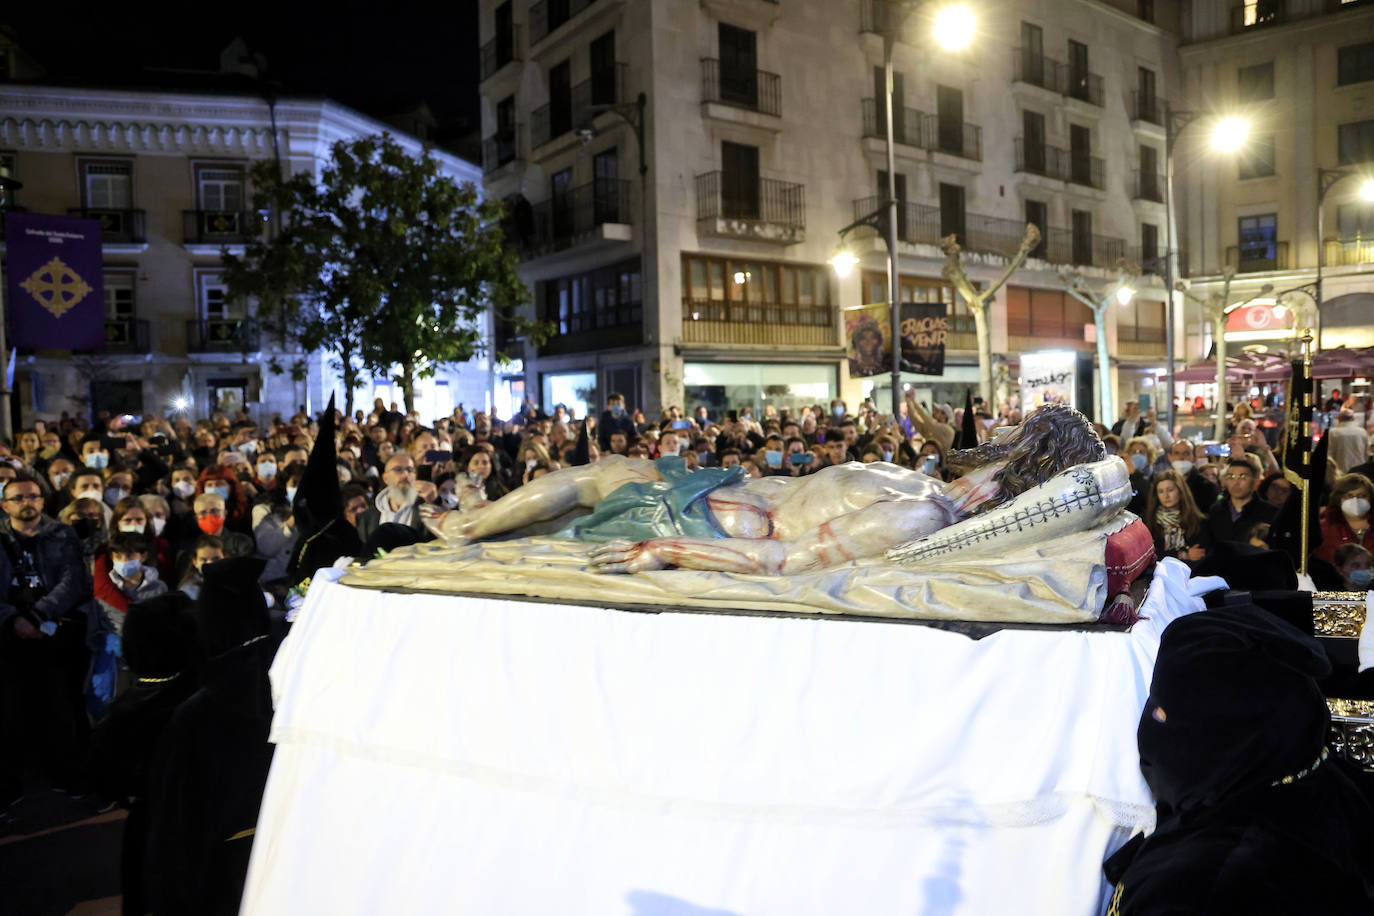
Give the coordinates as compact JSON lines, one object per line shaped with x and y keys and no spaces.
{"x":953,"y":27}
{"x":1228,"y":136}
{"x":1326,"y":179}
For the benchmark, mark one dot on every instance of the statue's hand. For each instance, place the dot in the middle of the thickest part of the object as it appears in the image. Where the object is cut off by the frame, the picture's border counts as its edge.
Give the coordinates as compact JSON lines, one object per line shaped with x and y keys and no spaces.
{"x":443,"y":523}
{"x":622,"y":556}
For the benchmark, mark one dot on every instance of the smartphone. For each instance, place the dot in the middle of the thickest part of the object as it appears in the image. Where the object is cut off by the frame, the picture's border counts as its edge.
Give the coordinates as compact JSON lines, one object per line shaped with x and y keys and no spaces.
{"x":682,"y":424}
{"x":1217,"y":451}
{"x":438,"y":456}
{"x":803,"y":458}
{"x":930,"y":464}
{"x":773,"y":457}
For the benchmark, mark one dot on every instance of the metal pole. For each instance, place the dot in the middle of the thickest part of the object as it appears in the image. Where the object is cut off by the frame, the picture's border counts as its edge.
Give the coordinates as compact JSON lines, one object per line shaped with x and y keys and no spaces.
{"x":1308,"y":402}
{"x":1168,"y":263}
{"x":6,"y":421}
{"x":894,"y":285}
{"x":1321,"y":251}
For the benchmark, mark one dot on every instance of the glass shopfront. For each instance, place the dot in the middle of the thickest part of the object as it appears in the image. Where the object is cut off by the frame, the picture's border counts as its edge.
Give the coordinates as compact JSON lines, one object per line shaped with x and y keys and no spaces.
{"x":731,"y":386}
{"x":574,"y":390}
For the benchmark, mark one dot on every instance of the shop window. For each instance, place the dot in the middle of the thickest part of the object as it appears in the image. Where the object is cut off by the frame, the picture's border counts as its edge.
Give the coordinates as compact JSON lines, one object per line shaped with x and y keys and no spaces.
{"x":1045,"y":313}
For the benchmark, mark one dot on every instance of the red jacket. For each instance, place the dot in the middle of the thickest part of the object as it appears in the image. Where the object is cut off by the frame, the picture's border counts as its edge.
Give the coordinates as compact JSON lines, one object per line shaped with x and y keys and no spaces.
{"x":1336,"y":532}
{"x":108,"y":592}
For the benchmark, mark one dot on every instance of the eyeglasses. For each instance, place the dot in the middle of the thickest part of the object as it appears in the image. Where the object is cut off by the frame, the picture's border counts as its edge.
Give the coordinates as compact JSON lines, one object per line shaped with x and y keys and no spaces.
{"x":26,"y":498}
{"x":1237,"y":477}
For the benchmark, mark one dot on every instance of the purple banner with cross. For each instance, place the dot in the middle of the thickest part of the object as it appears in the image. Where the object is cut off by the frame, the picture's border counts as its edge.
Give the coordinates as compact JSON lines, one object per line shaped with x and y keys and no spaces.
{"x":55,"y":290}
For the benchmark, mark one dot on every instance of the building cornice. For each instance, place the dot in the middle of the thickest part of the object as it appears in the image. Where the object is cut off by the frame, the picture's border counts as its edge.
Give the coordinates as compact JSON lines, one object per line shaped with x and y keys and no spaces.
{"x":1282,"y":33}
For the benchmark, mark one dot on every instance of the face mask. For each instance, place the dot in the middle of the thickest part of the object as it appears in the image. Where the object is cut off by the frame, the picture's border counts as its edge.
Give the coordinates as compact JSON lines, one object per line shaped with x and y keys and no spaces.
{"x":773,"y":458}
{"x":115,"y":494}
{"x":210,"y":524}
{"x":357,"y":452}
{"x":184,"y":489}
{"x":223,"y":492}
{"x":1361,"y":577}
{"x":127,"y":568}
{"x":90,"y":493}
{"x":97,"y":460}
{"x":530,"y":462}
{"x":668,"y":452}
{"x":1355,"y":507}
{"x":60,"y":480}
{"x":617,"y":411}
{"x":267,"y":470}
{"x":1140,"y":461}
{"x":1183,"y":467}
{"x":130,"y":526}
{"x":248,"y":447}
{"x":158,"y":525}
{"x":291,"y":494}
{"x":837,"y":412}
{"x":86,"y":528}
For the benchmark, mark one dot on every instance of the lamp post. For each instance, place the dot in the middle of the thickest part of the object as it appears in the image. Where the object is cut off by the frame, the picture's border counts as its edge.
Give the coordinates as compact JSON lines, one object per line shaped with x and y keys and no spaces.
{"x":1119,"y":292}
{"x":1326,"y":179}
{"x":7,"y":184}
{"x":953,"y":28}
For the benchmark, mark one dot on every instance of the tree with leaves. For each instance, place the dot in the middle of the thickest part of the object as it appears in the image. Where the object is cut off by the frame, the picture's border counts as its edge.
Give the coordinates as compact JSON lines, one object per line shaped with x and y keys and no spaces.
{"x":385,"y":262}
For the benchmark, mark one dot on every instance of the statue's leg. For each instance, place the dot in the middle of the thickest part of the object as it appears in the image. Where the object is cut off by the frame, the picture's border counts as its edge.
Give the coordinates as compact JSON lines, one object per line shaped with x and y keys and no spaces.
{"x":545,"y":498}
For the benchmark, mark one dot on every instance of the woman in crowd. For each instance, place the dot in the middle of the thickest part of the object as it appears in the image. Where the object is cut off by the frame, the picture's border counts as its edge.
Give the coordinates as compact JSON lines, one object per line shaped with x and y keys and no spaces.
{"x":477,"y":464}
{"x":220,"y":479}
{"x":1174,"y":520}
{"x":932,"y":449}
{"x":1345,"y":518}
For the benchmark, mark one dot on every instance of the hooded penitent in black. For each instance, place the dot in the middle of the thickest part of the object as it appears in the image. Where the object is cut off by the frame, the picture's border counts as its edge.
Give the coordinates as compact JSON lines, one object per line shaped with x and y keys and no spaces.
{"x":325,"y":535}
{"x":212,"y":761}
{"x":162,"y":651}
{"x":1254,"y":815}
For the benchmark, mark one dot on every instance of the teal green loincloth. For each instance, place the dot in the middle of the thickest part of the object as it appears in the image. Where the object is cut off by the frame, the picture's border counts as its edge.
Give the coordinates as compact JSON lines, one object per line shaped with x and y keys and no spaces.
{"x":672,"y":507}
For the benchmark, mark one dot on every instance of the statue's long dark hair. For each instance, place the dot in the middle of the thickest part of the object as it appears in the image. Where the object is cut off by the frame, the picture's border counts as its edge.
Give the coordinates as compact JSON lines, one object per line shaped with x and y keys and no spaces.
{"x":1053,"y":439}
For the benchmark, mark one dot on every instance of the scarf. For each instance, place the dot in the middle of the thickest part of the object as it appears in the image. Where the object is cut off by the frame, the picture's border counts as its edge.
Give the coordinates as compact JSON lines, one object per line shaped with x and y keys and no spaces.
{"x":1175,"y":538}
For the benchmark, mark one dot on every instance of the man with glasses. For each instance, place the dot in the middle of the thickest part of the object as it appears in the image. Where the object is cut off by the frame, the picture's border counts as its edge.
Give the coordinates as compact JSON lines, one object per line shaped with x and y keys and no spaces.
{"x":43,"y":654}
{"x":1233,"y":516}
{"x":397,"y":503}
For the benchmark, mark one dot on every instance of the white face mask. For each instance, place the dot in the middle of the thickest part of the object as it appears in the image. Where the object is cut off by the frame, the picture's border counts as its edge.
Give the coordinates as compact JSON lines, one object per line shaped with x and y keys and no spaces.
{"x":267,"y":470}
{"x":1355,"y":507}
{"x":158,"y":525}
{"x":130,"y":526}
{"x":291,"y":494}
{"x":1183,"y":467}
{"x":184,"y":488}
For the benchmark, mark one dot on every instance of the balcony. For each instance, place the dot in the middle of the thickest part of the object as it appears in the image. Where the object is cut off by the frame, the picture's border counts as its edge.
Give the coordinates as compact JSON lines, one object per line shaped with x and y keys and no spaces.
{"x":125,"y":335}
{"x":752,"y":90}
{"x":750,"y":208}
{"x":222,"y":335}
{"x":874,"y":16}
{"x":579,"y":216}
{"x":1147,"y":186}
{"x":1064,"y":246}
{"x":1151,"y":260}
{"x":1348,"y":252}
{"x":501,"y":148}
{"x":711,"y":321}
{"x":1060,"y":164}
{"x":911,"y":127}
{"x":117,"y":226}
{"x":1257,"y":15}
{"x":1254,"y":257}
{"x":1062,"y":79}
{"x":498,"y":52}
{"x":1146,"y":108}
{"x":221,"y":227}
{"x":547,"y":15}
{"x":550,"y":121}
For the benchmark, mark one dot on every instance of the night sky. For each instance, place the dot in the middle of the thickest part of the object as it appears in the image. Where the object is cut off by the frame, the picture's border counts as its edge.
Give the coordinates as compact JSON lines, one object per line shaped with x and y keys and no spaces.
{"x":376,"y":63}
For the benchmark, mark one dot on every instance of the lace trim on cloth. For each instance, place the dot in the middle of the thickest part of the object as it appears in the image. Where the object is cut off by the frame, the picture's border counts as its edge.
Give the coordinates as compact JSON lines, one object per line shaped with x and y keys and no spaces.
{"x":1303,"y":773}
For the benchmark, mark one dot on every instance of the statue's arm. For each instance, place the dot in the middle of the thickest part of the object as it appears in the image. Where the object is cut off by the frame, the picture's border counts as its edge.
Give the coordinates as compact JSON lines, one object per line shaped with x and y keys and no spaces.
{"x":865,"y":532}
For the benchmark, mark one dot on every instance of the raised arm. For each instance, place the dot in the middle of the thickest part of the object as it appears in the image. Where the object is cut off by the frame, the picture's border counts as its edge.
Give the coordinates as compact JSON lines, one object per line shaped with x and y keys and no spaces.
{"x":865,"y":532}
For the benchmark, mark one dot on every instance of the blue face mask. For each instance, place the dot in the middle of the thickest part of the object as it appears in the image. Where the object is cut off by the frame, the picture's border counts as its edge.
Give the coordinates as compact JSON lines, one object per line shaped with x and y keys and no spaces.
{"x":617,"y":410}
{"x":97,"y":460}
{"x":127,"y":568}
{"x":222,"y":491}
{"x":1140,"y":461}
{"x":1361,"y":577}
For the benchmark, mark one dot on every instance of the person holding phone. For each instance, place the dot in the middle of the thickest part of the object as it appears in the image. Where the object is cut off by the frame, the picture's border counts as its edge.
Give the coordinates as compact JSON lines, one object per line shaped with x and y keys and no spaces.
{"x":796,"y":460}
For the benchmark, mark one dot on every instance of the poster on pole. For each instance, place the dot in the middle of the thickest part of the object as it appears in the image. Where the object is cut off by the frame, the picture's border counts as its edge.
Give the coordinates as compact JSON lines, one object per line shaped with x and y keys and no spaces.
{"x":866,"y":340}
{"x":924,"y":330}
{"x":1049,"y":377}
{"x":55,"y":284}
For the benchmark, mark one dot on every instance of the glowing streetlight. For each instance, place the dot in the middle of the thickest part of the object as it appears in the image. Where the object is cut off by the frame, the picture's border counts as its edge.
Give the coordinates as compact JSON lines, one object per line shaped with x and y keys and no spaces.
{"x":180,"y":404}
{"x":954,"y":27}
{"x":1367,"y":190}
{"x":1124,"y":295}
{"x":843,"y":262}
{"x":1229,"y":134}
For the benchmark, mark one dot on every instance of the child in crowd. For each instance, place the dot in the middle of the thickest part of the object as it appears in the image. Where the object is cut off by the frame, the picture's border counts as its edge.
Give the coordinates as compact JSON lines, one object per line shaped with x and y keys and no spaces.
{"x":1356,"y":567}
{"x":131,"y":574}
{"x":207,"y":549}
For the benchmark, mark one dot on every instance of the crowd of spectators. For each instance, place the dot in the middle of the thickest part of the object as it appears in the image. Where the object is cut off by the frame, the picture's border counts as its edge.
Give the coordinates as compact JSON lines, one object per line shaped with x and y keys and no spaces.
{"x":149,"y":562}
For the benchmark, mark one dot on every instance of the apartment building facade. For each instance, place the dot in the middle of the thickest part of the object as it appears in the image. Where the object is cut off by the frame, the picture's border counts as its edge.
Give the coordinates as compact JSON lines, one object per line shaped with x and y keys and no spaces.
{"x":166,"y":174}
{"x":705,"y":279}
{"x":1301,"y":72}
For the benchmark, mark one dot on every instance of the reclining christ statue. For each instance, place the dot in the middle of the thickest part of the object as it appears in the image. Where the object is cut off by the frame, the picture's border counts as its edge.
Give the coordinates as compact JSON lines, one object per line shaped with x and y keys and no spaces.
{"x":656,"y":514}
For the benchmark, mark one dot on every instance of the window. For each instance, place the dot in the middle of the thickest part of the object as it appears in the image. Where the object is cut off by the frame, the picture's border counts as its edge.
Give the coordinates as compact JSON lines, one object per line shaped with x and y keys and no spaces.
{"x":739,"y":181}
{"x":1032,"y":54}
{"x":560,"y":196}
{"x":603,"y":298}
{"x":1045,"y":313}
{"x":950,"y":105}
{"x":1355,"y":64}
{"x":107,"y":184}
{"x":1149,"y":244}
{"x":1038,"y":215}
{"x":1082,"y":237}
{"x":899,"y":133}
{"x":1142,"y":322}
{"x":119,"y":295}
{"x":1255,"y":84}
{"x":213,"y":298}
{"x":739,"y":77}
{"x":602,"y":52}
{"x":1078,"y":71}
{"x":1145,"y":9}
{"x":606,"y":202}
{"x":1149,"y":174}
{"x":1033,"y":135}
{"x":560,"y":99}
{"x":557,"y":13}
{"x":1356,"y":142}
{"x":220,"y":187}
{"x":1256,"y":158}
{"x":952,"y":212}
{"x":1258,"y":240}
{"x":1080,"y":155}
{"x":1145,"y":100}
{"x":726,"y":289}
{"x":921,"y":289}
{"x":505,"y":34}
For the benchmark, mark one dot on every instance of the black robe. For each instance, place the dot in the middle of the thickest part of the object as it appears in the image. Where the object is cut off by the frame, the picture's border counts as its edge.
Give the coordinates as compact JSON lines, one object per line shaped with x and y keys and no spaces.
{"x":206,"y":787}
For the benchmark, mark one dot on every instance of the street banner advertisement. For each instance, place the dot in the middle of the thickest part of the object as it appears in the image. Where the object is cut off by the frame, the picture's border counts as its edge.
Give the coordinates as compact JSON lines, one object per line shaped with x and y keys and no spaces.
{"x":866,"y":340}
{"x":55,"y":284}
{"x":1048,"y":378}
{"x":925,"y":329}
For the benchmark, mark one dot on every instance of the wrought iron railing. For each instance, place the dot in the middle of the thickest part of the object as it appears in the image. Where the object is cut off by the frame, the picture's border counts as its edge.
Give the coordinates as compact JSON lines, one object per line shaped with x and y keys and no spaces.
{"x":115,"y":225}
{"x":755,"y":90}
{"x":222,"y":335}
{"x":496,"y":53}
{"x":913,"y":127}
{"x":921,"y":224}
{"x":501,"y":148}
{"x":1252,"y":257}
{"x":1055,"y":162}
{"x":1348,"y":252}
{"x":1146,"y":107}
{"x":1148,"y":186}
{"x":221,"y":227}
{"x":1056,"y":76}
{"x":1064,"y":246}
{"x":605,"y":87}
{"x":127,"y":335}
{"x":761,"y":200}
{"x":563,"y":220}
{"x":547,"y":15}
